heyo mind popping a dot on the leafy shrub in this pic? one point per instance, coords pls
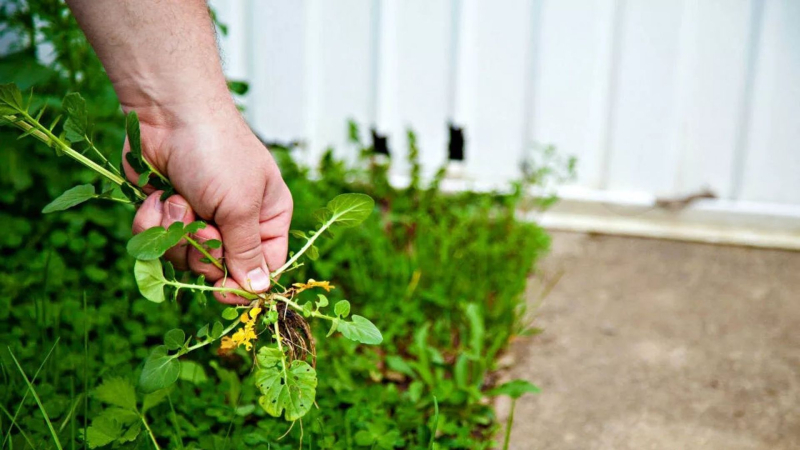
(442, 275)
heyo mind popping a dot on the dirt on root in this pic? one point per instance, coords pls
(652, 344)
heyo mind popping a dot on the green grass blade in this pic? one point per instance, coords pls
(435, 422)
(15, 424)
(25, 397)
(38, 400)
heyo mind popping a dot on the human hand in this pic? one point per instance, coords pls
(224, 175)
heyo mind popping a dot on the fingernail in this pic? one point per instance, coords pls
(158, 205)
(258, 280)
(175, 212)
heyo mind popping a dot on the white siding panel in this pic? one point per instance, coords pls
(495, 129)
(277, 72)
(641, 151)
(572, 89)
(712, 91)
(772, 165)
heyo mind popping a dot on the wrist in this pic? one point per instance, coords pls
(165, 101)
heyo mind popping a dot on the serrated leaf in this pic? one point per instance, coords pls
(118, 392)
(160, 370)
(342, 308)
(10, 99)
(268, 356)
(77, 121)
(154, 242)
(361, 330)
(102, 431)
(174, 339)
(150, 279)
(230, 313)
(70, 197)
(271, 317)
(292, 397)
(515, 389)
(349, 210)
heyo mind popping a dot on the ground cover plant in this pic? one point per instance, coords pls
(441, 275)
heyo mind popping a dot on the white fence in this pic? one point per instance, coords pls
(654, 97)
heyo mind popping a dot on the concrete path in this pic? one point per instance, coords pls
(661, 345)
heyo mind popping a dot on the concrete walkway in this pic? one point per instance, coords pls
(662, 345)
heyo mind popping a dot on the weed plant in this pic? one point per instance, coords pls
(442, 276)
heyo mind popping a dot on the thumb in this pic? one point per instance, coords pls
(244, 257)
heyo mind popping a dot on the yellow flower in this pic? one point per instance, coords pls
(300, 287)
(245, 335)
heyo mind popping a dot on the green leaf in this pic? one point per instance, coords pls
(322, 302)
(308, 308)
(153, 399)
(268, 357)
(515, 389)
(230, 313)
(76, 126)
(118, 392)
(10, 99)
(349, 210)
(292, 396)
(144, 178)
(202, 332)
(342, 308)
(334, 325)
(216, 330)
(361, 330)
(271, 317)
(103, 431)
(194, 227)
(160, 370)
(313, 253)
(150, 279)
(213, 243)
(71, 197)
(192, 372)
(298, 234)
(154, 242)
(134, 135)
(174, 339)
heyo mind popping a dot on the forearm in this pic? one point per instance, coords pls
(161, 57)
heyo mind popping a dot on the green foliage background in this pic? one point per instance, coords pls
(442, 276)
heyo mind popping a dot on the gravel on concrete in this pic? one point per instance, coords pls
(651, 344)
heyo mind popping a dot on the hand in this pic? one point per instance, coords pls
(224, 175)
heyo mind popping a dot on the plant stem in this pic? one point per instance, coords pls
(280, 345)
(300, 252)
(44, 135)
(149, 431)
(205, 253)
(239, 292)
(203, 344)
(509, 423)
(300, 308)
